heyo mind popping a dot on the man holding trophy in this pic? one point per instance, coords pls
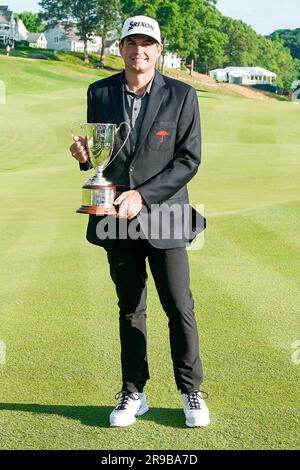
(143, 138)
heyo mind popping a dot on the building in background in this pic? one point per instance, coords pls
(22, 33)
(61, 40)
(37, 40)
(172, 60)
(8, 26)
(13, 29)
(253, 76)
(112, 47)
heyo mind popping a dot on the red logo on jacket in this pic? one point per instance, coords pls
(162, 134)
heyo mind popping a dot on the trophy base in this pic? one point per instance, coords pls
(98, 199)
(96, 210)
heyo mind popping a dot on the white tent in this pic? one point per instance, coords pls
(244, 75)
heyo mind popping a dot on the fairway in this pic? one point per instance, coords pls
(59, 319)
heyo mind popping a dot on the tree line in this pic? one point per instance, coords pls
(290, 38)
(195, 29)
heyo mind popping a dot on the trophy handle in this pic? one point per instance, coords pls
(124, 143)
(72, 125)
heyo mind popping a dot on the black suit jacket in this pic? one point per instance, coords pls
(166, 157)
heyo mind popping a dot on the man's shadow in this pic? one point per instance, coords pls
(98, 416)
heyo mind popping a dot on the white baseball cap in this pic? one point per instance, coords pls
(141, 25)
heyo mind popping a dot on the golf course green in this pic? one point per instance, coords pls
(60, 370)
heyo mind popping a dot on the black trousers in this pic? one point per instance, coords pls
(170, 270)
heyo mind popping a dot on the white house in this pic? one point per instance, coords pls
(172, 61)
(37, 40)
(112, 47)
(11, 28)
(8, 26)
(61, 40)
(22, 33)
(244, 76)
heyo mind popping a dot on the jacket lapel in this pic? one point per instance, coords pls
(155, 99)
(116, 95)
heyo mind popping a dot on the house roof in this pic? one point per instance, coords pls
(110, 42)
(33, 36)
(253, 70)
(5, 14)
(246, 71)
(72, 33)
(5, 18)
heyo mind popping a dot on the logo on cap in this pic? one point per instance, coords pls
(134, 24)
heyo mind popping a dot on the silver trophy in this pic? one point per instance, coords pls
(98, 193)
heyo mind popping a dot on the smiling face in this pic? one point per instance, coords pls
(140, 52)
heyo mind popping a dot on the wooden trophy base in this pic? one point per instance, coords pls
(98, 199)
(97, 210)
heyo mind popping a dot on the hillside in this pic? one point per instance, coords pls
(46, 69)
(200, 81)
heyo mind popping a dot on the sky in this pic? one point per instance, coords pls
(263, 15)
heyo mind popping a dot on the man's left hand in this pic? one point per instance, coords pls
(130, 204)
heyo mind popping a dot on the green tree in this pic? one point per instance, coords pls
(185, 36)
(32, 21)
(290, 38)
(297, 65)
(138, 7)
(168, 14)
(108, 18)
(78, 14)
(241, 48)
(211, 41)
(211, 50)
(274, 56)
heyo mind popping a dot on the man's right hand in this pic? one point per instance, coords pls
(79, 149)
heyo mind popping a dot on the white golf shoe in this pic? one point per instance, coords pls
(130, 405)
(195, 410)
